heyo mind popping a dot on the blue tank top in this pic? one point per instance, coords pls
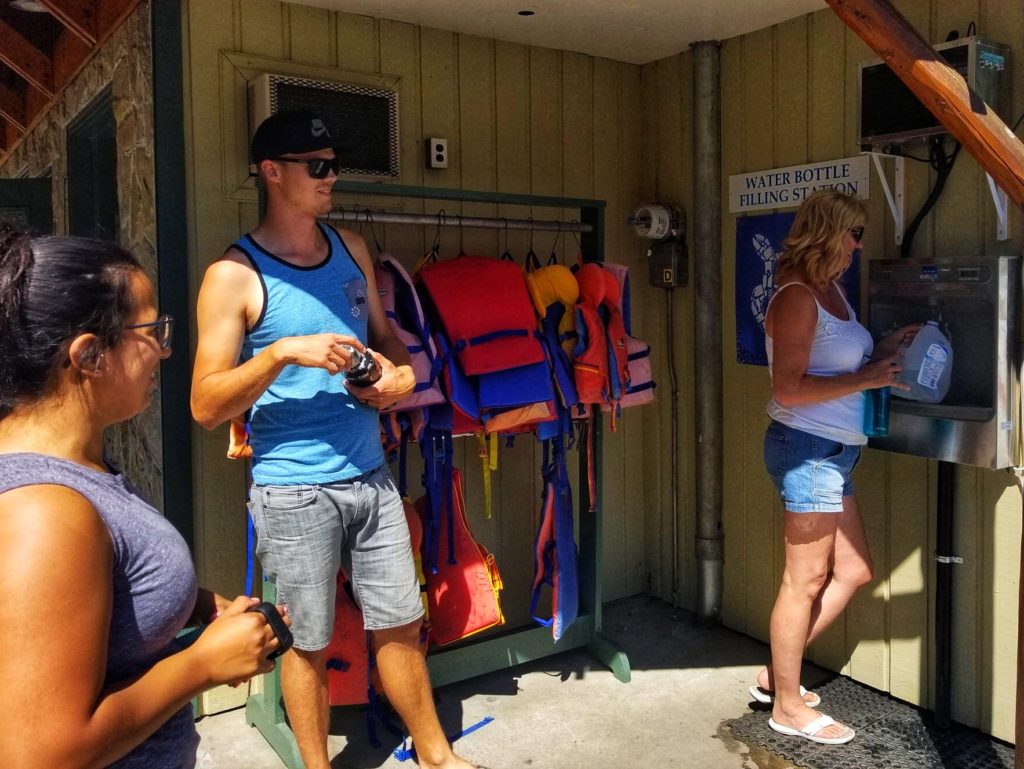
(154, 589)
(306, 428)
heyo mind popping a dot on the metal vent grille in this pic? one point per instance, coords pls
(363, 119)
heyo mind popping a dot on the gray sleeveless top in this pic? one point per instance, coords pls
(154, 586)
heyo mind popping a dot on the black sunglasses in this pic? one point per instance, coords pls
(858, 233)
(318, 168)
(163, 330)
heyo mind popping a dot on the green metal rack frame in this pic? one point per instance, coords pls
(514, 647)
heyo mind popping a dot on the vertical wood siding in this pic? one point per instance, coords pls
(531, 120)
(789, 95)
(517, 119)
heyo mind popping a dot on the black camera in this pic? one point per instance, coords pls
(363, 369)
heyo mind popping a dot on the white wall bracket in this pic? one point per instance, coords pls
(894, 196)
(1000, 201)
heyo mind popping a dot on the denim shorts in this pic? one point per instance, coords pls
(811, 473)
(305, 533)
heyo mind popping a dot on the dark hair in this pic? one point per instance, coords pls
(52, 289)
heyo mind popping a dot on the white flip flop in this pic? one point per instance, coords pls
(766, 697)
(810, 732)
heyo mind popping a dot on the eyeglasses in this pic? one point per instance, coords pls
(163, 328)
(858, 233)
(318, 168)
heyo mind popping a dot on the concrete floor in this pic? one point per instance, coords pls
(567, 711)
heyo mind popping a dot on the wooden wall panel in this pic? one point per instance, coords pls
(741, 552)
(310, 31)
(886, 636)
(502, 108)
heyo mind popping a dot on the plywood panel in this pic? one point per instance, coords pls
(400, 55)
(738, 550)
(907, 555)
(310, 35)
(621, 489)
(357, 43)
(263, 24)
(1000, 590)
(865, 618)
(762, 531)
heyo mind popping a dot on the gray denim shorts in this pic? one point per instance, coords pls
(306, 532)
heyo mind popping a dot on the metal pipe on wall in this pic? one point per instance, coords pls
(365, 216)
(707, 274)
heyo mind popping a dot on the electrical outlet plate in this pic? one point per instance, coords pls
(437, 152)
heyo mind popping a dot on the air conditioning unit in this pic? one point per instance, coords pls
(889, 113)
(364, 119)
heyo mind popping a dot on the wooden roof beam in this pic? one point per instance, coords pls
(78, 16)
(25, 59)
(940, 88)
(12, 108)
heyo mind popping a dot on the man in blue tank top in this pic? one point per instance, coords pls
(274, 313)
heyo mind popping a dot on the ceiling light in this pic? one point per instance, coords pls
(28, 5)
(526, 13)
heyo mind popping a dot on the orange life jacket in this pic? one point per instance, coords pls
(600, 357)
(463, 586)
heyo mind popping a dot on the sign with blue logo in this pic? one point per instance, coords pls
(758, 245)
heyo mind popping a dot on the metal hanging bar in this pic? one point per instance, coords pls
(454, 220)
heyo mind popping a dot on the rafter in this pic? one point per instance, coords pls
(25, 59)
(78, 16)
(12, 107)
(940, 88)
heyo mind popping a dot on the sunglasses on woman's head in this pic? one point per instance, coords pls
(163, 328)
(318, 168)
(858, 233)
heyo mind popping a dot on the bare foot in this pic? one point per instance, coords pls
(453, 761)
(766, 681)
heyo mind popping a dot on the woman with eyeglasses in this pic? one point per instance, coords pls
(96, 583)
(821, 360)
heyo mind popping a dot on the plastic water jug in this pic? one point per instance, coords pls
(927, 365)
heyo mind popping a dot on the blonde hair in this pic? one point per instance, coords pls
(815, 241)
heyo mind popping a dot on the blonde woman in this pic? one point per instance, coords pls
(821, 359)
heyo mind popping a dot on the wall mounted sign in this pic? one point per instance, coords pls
(758, 244)
(789, 187)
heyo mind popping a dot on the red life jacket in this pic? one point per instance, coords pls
(348, 655)
(486, 312)
(463, 590)
(600, 357)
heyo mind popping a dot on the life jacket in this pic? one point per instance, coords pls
(555, 292)
(555, 557)
(463, 587)
(352, 678)
(503, 401)
(640, 389)
(485, 312)
(600, 357)
(405, 314)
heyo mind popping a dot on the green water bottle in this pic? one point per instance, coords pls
(876, 412)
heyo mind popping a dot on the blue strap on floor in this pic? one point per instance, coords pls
(404, 754)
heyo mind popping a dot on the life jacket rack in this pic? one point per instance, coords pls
(507, 649)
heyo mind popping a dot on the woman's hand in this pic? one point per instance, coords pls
(882, 373)
(235, 646)
(898, 341)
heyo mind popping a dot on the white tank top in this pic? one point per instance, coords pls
(839, 347)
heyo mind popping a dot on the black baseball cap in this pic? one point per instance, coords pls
(291, 132)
